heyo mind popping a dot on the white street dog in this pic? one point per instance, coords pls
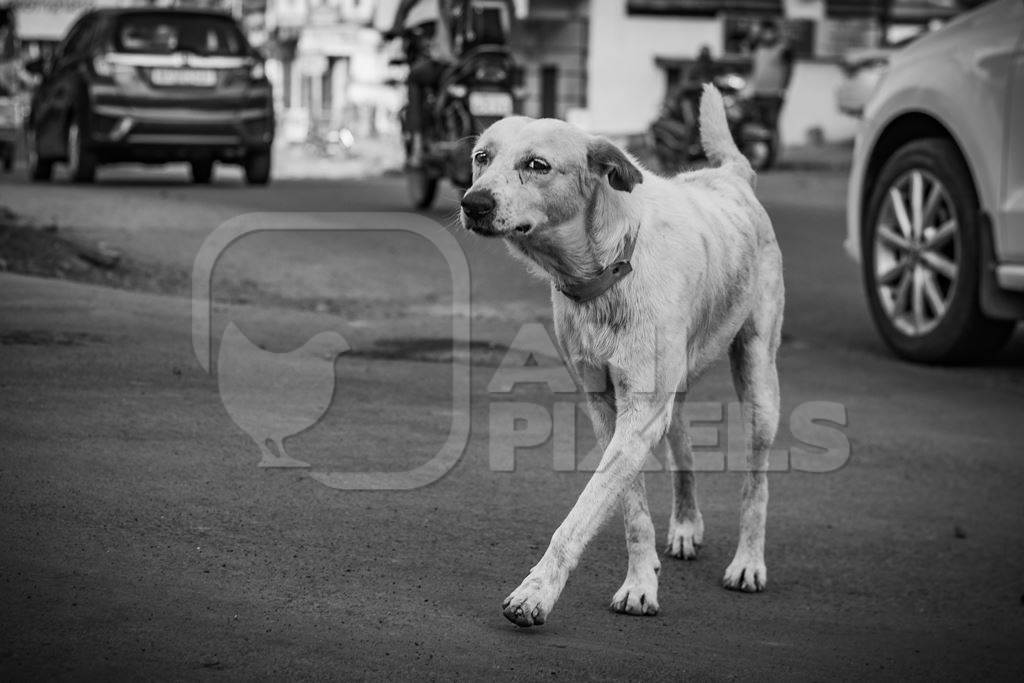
(652, 279)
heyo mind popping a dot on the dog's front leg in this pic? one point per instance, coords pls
(639, 592)
(641, 422)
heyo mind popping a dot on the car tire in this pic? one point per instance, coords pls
(257, 167)
(39, 170)
(921, 261)
(81, 160)
(202, 171)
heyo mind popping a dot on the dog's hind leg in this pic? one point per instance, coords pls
(685, 526)
(752, 357)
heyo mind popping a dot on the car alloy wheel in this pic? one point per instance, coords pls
(917, 252)
(923, 257)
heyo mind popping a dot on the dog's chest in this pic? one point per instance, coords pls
(590, 333)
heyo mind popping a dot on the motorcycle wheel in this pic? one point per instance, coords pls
(422, 187)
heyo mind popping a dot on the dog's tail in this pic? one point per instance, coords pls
(715, 137)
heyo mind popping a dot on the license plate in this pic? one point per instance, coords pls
(490, 103)
(193, 78)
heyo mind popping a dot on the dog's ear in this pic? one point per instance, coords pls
(605, 159)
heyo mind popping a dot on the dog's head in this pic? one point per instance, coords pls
(534, 175)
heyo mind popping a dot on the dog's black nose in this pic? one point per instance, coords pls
(478, 203)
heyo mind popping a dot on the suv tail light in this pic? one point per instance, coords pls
(107, 66)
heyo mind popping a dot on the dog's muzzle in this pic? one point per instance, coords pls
(478, 211)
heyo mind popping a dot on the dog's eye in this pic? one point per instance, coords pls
(538, 165)
(481, 158)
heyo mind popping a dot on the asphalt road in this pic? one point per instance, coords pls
(140, 539)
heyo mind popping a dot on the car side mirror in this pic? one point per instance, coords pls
(36, 66)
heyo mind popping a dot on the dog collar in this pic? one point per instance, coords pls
(586, 290)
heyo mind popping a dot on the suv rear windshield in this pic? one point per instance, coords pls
(164, 33)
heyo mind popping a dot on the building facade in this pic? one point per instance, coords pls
(638, 47)
(327, 66)
(604, 64)
(551, 42)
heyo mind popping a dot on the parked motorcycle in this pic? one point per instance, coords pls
(10, 127)
(474, 92)
(676, 143)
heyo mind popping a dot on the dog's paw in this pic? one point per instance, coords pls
(685, 537)
(637, 596)
(531, 603)
(747, 574)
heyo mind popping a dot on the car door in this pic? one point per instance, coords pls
(1011, 210)
(58, 89)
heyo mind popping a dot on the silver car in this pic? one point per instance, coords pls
(935, 206)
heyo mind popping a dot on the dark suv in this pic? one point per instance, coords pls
(152, 86)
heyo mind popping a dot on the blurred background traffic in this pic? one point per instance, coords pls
(308, 89)
(607, 66)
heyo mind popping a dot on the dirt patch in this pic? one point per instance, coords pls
(443, 350)
(45, 250)
(41, 250)
(47, 338)
(437, 351)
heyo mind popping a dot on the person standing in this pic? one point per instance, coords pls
(772, 69)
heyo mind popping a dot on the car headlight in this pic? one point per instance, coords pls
(258, 71)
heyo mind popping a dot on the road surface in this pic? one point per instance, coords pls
(140, 538)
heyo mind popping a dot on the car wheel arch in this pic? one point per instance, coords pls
(901, 130)
(916, 125)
